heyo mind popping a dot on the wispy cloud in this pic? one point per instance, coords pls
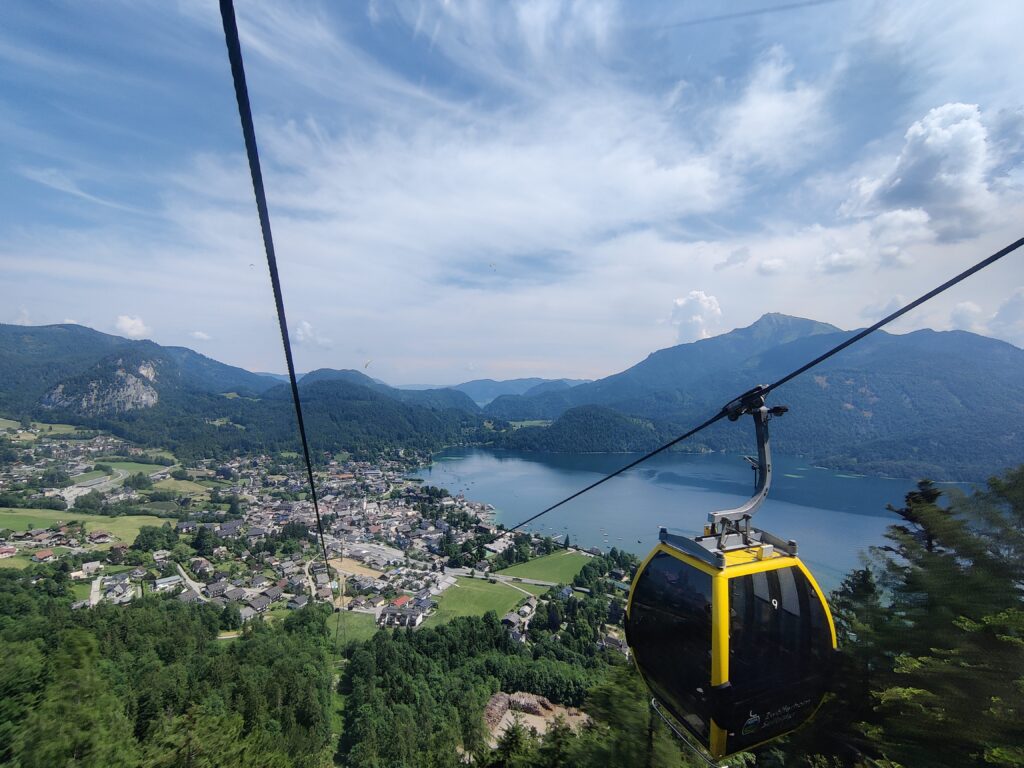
(60, 181)
(532, 186)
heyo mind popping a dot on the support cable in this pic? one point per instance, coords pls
(735, 406)
(227, 12)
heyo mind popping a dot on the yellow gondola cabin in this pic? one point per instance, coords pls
(729, 630)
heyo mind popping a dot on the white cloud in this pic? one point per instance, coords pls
(875, 312)
(23, 317)
(942, 170)
(841, 261)
(1008, 322)
(777, 123)
(902, 226)
(200, 335)
(304, 333)
(894, 232)
(967, 316)
(894, 257)
(770, 267)
(737, 257)
(131, 326)
(528, 185)
(695, 316)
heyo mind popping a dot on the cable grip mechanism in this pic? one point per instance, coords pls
(730, 529)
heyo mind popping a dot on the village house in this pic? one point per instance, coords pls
(166, 583)
(260, 603)
(273, 594)
(396, 616)
(216, 588)
(229, 529)
(614, 644)
(259, 580)
(120, 592)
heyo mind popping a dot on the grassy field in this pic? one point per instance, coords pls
(125, 528)
(46, 429)
(85, 477)
(560, 567)
(212, 483)
(355, 627)
(277, 613)
(162, 506)
(533, 589)
(17, 562)
(81, 589)
(474, 597)
(181, 486)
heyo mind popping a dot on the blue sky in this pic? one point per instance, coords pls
(464, 189)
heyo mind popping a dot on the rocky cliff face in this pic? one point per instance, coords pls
(123, 389)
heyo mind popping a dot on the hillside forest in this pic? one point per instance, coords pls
(930, 672)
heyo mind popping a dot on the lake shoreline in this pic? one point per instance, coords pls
(835, 517)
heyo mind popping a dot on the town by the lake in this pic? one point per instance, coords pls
(242, 534)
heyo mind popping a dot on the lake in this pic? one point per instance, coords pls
(833, 516)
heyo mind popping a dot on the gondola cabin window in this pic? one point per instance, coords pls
(670, 628)
(779, 645)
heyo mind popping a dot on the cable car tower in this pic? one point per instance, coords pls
(729, 629)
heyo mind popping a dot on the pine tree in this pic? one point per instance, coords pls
(945, 659)
(79, 722)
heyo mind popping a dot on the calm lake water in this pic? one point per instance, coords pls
(833, 516)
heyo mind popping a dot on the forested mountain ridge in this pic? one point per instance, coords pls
(949, 405)
(483, 391)
(673, 369)
(339, 416)
(178, 399)
(437, 398)
(34, 360)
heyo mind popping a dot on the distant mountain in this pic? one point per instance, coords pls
(279, 376)
(435, 399)
(484, 391)
(585, 429)
(36, 360)
(674, 369)
(949, 405)
(196, 406)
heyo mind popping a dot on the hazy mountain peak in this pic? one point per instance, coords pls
(780, 328)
